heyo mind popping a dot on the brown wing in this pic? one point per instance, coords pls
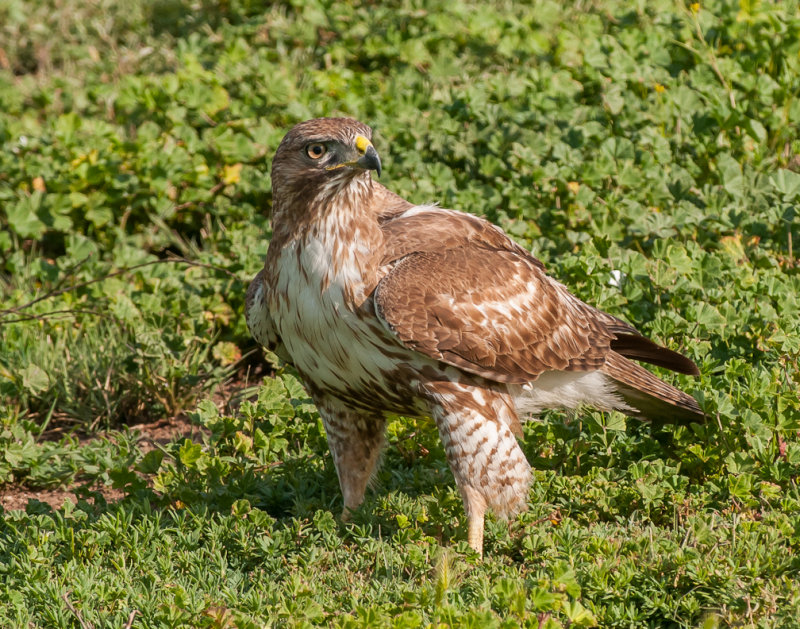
(259, 321)
(425, 235)
(490, 311)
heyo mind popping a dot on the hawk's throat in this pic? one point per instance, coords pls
(336, 239)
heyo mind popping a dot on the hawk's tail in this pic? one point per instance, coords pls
(651, 398)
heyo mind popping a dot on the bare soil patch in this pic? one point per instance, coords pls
(151, 435)
(17, 497)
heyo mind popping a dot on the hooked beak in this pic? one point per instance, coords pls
(369, 159)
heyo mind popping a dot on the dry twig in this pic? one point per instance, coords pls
(129, 623)
(71, 608)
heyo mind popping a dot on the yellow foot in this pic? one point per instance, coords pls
(475, 534)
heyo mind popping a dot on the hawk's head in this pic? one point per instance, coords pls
(319, 151)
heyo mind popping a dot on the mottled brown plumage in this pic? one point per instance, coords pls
(385, 307)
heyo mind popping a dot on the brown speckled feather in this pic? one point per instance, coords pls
(449, 269)
(463, 293)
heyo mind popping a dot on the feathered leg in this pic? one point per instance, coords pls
(489, 467)
(356, 441)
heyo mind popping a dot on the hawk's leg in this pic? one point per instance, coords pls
(489, 467)
(356, 441)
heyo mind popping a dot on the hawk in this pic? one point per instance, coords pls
(390, 308)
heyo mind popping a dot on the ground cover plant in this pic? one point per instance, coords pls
(647, 152)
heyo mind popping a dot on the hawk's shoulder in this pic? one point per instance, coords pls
(429, 228)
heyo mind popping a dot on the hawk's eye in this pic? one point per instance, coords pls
(315, 150)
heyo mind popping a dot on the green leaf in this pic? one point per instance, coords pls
(243, 443)
(125, 309)
(786, 182)
(272, 398)
(14, 454)
(543, 600)
(741, 486)
(705, 315)
(578, 615)
(151, 462)
(757, 130)
(240, 508)
(731, 175)
(35, 379)
(23, 218)
(226, 352)
(189, 453)
(234, 146)
(564, 575)
(614, 98)
(206, 412)
(615, 422)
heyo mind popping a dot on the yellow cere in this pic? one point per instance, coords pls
(362, 144)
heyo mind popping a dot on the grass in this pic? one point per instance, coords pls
(646, 152)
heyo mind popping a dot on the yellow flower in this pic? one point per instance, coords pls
(695, 7)
(231, 174)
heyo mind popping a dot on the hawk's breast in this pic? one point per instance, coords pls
(320, 303)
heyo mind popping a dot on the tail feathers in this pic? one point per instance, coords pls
(638, 347)
(648, 396)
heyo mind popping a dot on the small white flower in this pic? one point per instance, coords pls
(616, 278)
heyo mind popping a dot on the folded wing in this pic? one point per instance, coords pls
(460, 291)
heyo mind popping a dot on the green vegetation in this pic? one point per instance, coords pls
(654, 139)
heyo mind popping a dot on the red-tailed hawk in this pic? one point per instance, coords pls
(385, 307)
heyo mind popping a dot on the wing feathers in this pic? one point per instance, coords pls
(480, 302)
(641, 348)
(259, 321)
(459, 290)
